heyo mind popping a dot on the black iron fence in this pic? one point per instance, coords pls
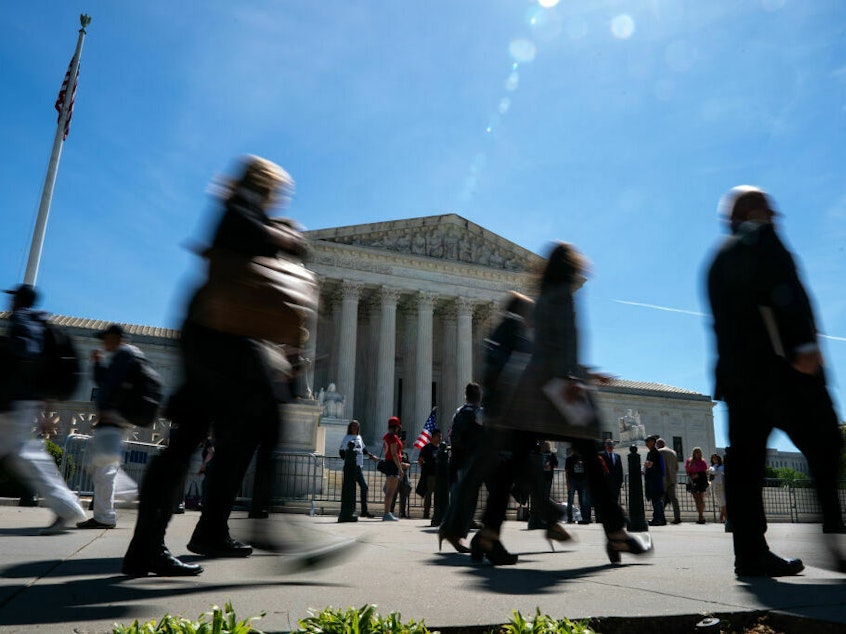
(311, 483)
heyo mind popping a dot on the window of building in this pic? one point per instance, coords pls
(678, 447)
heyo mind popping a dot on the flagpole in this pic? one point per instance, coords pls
(50, 180)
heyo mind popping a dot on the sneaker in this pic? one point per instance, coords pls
(92, 523)
(58, 526)
(389, 517)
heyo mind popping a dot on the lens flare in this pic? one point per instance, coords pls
(622, 26)
(522, 50)
(547, 4)
(512, 82)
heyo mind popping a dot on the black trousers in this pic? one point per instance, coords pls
(228, 386)
(799, 405)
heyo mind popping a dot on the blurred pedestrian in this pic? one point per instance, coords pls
(236, 372)
(467, 443)
(770, 374)
(104, 454)
(554, 356)
(697, 481)
(20, 408)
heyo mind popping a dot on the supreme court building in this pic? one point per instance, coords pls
(404, 308)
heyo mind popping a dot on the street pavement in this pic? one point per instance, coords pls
(72, 582)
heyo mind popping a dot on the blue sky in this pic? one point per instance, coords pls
(615, 125)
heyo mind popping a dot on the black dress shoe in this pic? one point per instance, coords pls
(770, 565)
(226, 548)
(162, 564)
(658, 522)
(259, 515)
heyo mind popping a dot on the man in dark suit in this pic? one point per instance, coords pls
(614, 467)
(769, 373)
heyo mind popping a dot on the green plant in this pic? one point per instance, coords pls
(216, 621)
(54, 450)
(543, 624)
(365, 620)
(57, 453)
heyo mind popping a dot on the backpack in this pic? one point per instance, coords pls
(140, 395)
(58, 373)
(464, 430)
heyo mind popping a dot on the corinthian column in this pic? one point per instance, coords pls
(350, 294)
(423, 358)
(448, 397)
(385, 364)
(309, 354)
(464, 343)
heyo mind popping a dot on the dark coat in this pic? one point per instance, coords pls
(554, 354)
(653, 477)
(615, 469)
(753, 274)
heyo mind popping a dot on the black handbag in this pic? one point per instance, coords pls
(381, 466)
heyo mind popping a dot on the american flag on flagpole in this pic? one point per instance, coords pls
(425, 436)
(60, 100)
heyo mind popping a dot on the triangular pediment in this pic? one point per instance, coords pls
(446, 237)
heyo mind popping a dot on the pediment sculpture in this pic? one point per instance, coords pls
(444, 242)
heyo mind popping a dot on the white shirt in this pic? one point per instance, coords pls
(358, 447)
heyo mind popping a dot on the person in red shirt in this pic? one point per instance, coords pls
(392, 452)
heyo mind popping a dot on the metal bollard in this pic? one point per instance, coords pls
(637, 516)
(348, 487)
(441, 495)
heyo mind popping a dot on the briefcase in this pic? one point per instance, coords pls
(541, 409)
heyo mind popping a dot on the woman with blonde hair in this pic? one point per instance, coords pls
(697, 480)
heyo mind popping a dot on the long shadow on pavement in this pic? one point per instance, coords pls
(798, 598)
(522, 580)
(100, 597)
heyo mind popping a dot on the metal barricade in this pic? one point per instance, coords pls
(76, 462)
(298, 478)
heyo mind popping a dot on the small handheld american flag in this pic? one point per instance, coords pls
(425, 436)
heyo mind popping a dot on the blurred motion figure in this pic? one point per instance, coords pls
(769, 372)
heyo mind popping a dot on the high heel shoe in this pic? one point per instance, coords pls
(492, 548)
(452, 540)
(557, 533)
(628, 544)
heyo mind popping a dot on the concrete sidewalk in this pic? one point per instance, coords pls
(72, 582)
